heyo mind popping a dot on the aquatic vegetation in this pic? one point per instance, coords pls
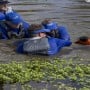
(45, 70)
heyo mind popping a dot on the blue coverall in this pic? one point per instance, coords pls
(15, 19)
(63, 32)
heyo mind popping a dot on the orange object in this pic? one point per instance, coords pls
(87, 42)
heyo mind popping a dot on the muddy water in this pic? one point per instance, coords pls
(74, 14)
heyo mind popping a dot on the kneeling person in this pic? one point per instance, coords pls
(55, 30)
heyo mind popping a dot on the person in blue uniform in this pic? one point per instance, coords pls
(12, 21)
(55, 30)
(56, 44)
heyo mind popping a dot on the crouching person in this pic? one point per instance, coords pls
(40, 42)
(13, 24)
(55, 30)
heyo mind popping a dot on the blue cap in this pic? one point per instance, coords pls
(4, 1)
(51, 26)
(42, 30)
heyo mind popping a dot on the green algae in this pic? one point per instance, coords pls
(45, 70)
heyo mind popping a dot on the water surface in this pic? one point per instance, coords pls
(74, 14)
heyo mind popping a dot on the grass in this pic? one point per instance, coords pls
(46, 70)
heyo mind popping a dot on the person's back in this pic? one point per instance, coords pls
(56, 30)
(37, 42)
(56, 45)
